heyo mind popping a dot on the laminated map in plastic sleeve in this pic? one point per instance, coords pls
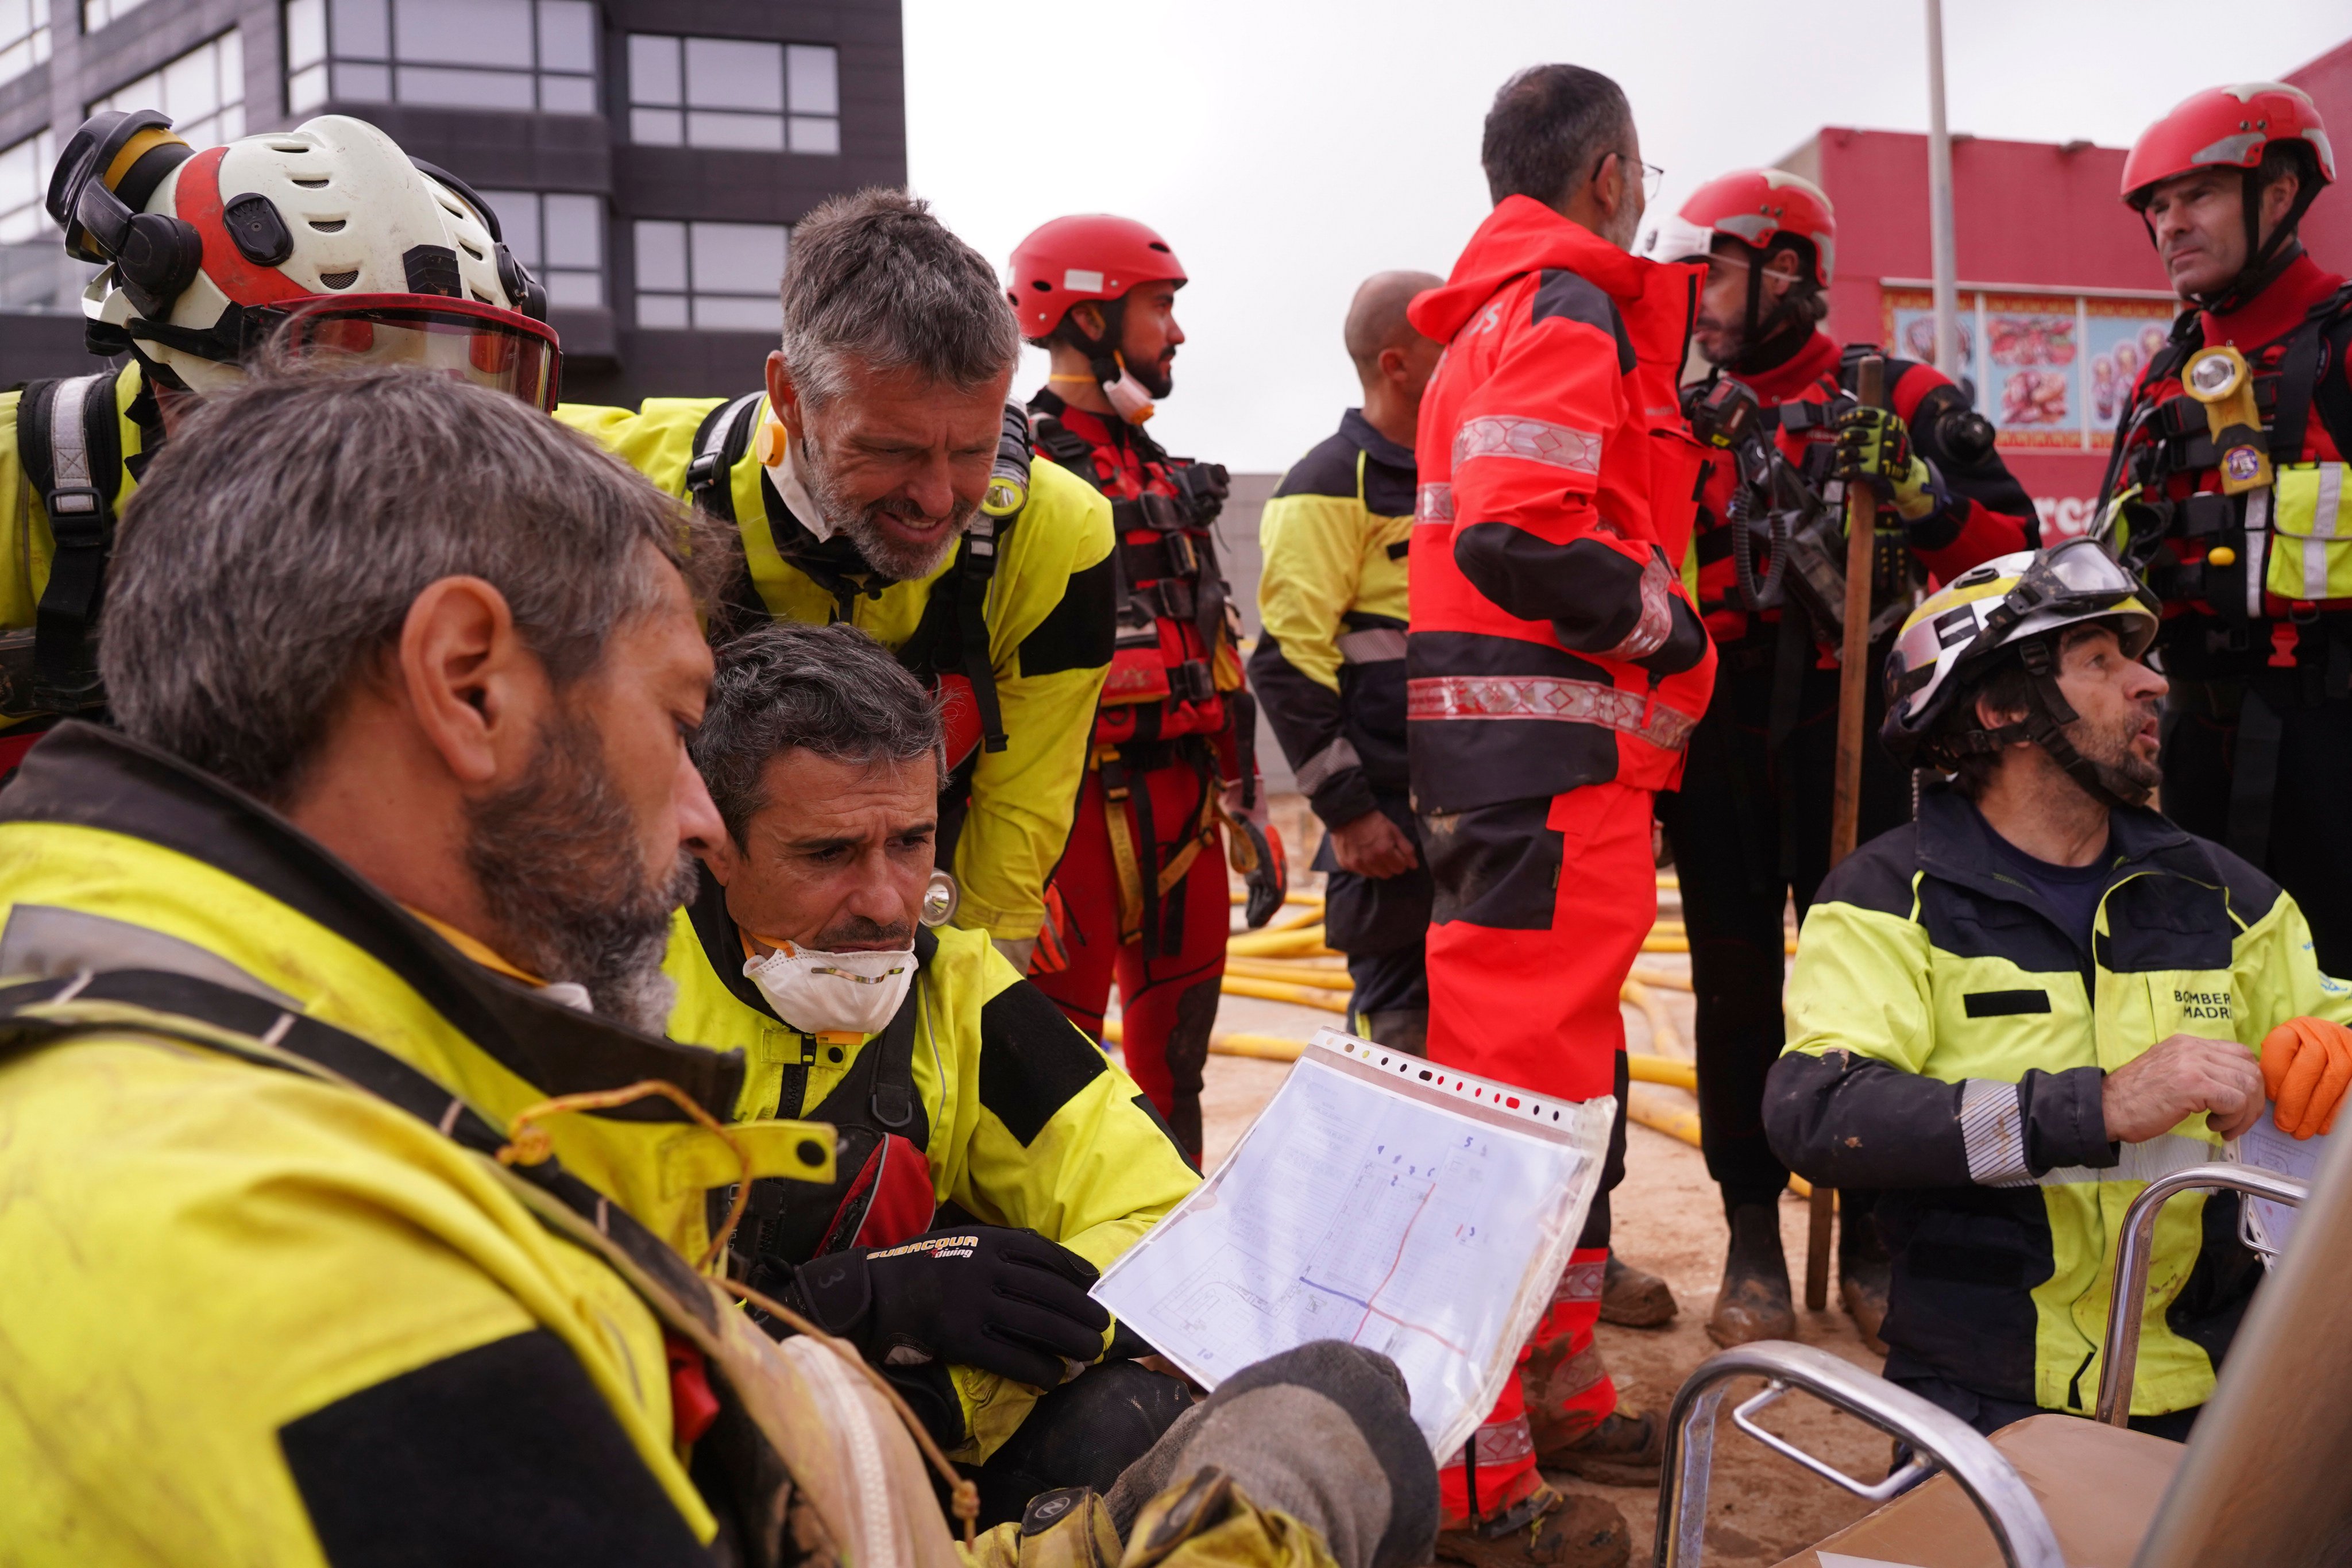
(1383, 1200)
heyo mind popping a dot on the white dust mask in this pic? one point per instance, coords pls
(832, 993)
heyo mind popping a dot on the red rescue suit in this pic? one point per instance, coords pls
(1751, 822)
(1554, 670)
(1141, 893)
(2259, 728)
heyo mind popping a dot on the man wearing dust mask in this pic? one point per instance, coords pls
(993, 1159)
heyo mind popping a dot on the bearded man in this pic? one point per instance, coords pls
(856, 479)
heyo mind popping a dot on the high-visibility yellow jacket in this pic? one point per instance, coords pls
(1023, 1121)
(27, 543)
(1049, 634)
(256, 1315)
(1329, 664)
(1948, 1041)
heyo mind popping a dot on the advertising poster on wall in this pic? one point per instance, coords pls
(2055, 368)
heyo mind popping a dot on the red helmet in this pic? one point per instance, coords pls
(2226, 128)
(1755, 206)
(1091, 256)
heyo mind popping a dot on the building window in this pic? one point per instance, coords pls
(97, 14)
(734, 92)
(712, 276)
(202, 91)
(465, 54)
(24, 36)
(559, 238)
(36, 276)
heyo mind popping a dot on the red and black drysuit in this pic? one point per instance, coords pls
(1750, 821)
(1554, 670)
(2258, 729)
(1140, 894)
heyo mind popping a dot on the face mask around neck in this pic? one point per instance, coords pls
(832, 993)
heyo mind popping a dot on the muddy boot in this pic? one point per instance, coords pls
(1754, 1303)
(1632, 1300)
(1865, 1272)
(1624, 1450)
(1545, 1528)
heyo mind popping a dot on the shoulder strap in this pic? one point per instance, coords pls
(2187, 336)
(1064, 446)
(259, 1031)
(72, 452)
(719, 443)
(2306, 362)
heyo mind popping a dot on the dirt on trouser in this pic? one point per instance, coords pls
(1668, 1220)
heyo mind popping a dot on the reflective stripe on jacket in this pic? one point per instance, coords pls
(1328, 668)
(1948, 1041)
(1025, 1122)
(237, 1264)
(1552, 644)
(1049, 638)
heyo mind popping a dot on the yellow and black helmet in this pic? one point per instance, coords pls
(2006, 605)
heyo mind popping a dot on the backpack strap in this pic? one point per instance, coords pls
(719, 443)
(72, 452)
(2313, 360)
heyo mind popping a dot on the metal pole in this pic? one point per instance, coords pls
(1939, 203)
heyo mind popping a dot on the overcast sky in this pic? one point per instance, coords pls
(1288, 148)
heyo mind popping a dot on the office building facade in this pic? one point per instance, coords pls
(647, 158)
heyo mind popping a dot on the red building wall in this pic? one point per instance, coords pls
(2327, 227)
(2026, 215)
(2029, 216)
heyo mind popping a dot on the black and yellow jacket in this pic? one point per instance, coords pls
(1025, 1121)
(264, 1306)
(1049, 632)
(1947, 1040)
(105, 426)
(1329, 667)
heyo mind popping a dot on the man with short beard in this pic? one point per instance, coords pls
(2010, 1014)
(1749, 823)
(1140, 898)
(876, 479)
(381, 857)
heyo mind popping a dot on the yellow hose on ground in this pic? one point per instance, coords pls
(1264, 1047)
(1676, 1121)
(1297, 995)
(1663, 1041)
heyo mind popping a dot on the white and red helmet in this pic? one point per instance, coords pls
(327, 232)
(2226, 128)
(1760, 208)
(1093, 256)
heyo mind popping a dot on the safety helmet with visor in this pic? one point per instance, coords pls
(2012, 606)
(2232, 128)
(327, 233)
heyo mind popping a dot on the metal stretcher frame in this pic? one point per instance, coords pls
(1938, 1439)
(2119, 1356)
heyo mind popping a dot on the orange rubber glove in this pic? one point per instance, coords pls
(2306, 1065)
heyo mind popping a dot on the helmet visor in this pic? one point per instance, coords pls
(462, 339)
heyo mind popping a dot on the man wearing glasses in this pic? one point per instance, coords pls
(1555, 665)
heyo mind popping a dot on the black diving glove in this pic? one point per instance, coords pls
(1007, 1302)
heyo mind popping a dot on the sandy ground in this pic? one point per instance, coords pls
(1669, 1220)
